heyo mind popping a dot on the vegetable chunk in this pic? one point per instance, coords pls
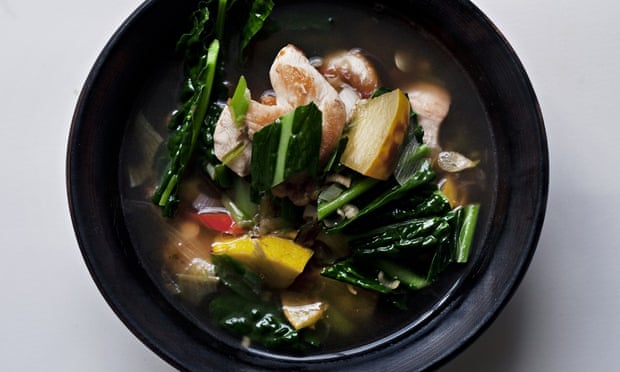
(278, 260)
(377, 131)
(302, 310)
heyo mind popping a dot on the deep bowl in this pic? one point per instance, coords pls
(507, 240)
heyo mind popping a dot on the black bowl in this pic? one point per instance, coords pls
(507, 241)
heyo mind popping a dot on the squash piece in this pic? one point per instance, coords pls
(378, 129)
(277, 260)
(301, 310)
(451, 190)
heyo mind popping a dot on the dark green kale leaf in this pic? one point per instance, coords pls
(287, 148)
(247, 309)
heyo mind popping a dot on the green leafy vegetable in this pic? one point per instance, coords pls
(244, 310)
(219, 23)
(233, 153)
(416, 206)
(286, 148)
(466, 232)
(235, 277)
(260, 11)
(423, 176)
(403, 237)
(413, 151)
(260, 321)
(447, 237)
(402, 274)
(333, 163)
(411, 227)
(192, 125)
(240, 102)
(441, 259)
(349, 271)
(185, 135)
(326, 208)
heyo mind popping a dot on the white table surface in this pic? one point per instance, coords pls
(564, 317)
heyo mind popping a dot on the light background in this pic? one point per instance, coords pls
(564, 317)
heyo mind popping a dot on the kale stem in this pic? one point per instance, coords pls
(171, 184)
(327, 208)
(405, 276)
(212, 55)
(466, 232)
(219, 22)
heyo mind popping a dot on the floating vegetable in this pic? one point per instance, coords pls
(452, 161)
(278, 260)
(302, 310)
(221, 221)
(289, 147)
(378, 128)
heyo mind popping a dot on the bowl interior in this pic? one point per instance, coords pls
(141, 58)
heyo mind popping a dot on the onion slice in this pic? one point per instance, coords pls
(453, 162)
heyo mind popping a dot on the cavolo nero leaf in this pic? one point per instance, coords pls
(242, 308)
(186, 124)
(262, 322)
(448, 235)
(191, 126)
(261, 9)
(185, 135)
(286, 148)
(348, 271)
(423, 176)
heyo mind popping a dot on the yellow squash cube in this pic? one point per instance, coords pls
(377, 132)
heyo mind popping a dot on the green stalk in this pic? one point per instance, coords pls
(212, 54)
(285, 136)
(327, 208)
(466, 232)
(233, 153)
(424, 175)
(219, 22)
(406, 276)
(172, 183)
(240, 102)
(166, 194)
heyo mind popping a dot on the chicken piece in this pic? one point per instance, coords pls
(431, 102)
(228, 138)
(350, 98)
(350, 68)
(260, 115)
(296, 83)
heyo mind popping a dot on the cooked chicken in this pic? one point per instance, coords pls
(295, 83)
(431, 102)
(228, 139)
(350, 68)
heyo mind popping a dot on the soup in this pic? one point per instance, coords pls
(305, 301)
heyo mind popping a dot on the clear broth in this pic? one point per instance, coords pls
(317, 29)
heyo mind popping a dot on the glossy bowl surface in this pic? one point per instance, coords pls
(105, 106)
